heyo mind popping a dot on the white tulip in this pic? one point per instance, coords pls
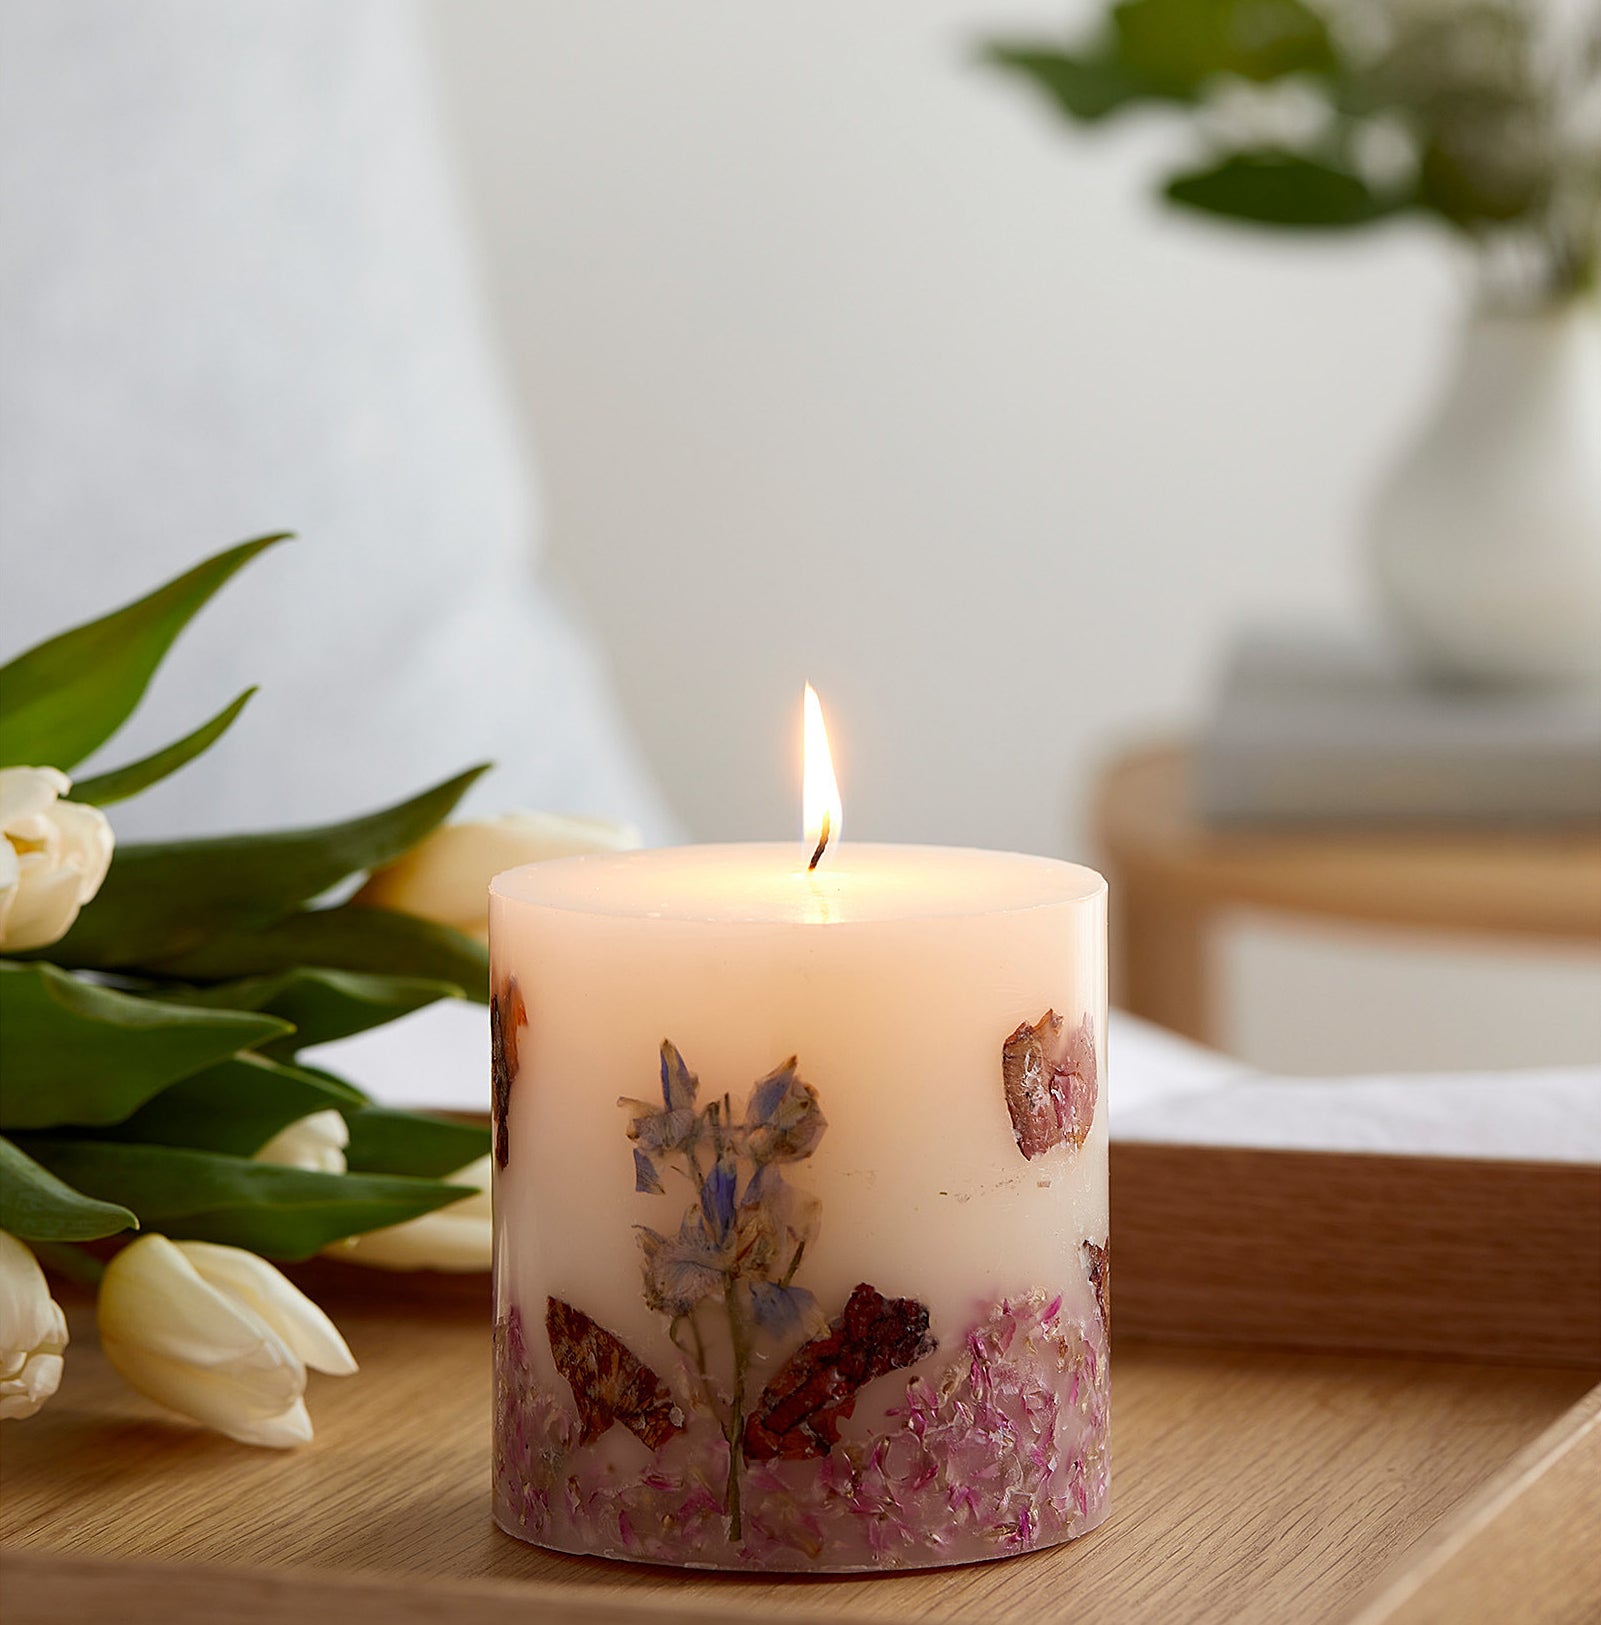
(446, 876)
(316, 1143)
(33, 1332)
(53, 856)
(457, 1239)
(218, 1334)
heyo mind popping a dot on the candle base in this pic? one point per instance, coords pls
(992, 1445)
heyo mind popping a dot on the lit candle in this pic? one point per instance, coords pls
(800, 1201)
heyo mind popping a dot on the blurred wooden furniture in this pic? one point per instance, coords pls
(1173, 877)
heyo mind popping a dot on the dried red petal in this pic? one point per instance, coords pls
(800, 1410)
(1098, 1266)
(609, 1383)
(508, 1015)
(1050, 1083)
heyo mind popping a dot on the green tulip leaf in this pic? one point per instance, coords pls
(66, 697)
(1282, 189)
(383, 1141)
(285, 1213)
(371, 941)
(36, 1206)
(74, 1052)
(238, 1105)
(122, 782)
(324, 1004)
(167, 900)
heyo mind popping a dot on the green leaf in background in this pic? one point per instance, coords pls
(1282, 189)
(370, 940)
(238, 1105)
(168, 899)
(73, 1052)
(391, 1142)
(279, 1212)
(66, 697)
(1176, 46)
(122, 782)
(37, 1206)
(1086, 88)
(323, 1004)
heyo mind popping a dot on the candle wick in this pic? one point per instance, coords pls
(817, 856)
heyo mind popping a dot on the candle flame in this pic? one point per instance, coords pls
(819, 788)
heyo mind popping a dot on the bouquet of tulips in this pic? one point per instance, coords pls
(161, 1135)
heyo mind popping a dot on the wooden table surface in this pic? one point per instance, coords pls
(1173, 877)
(1248, 1486)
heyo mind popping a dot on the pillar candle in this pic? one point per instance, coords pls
(800, 1205)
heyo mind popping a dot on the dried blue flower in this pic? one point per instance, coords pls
(679, 1085)
(675, 1125)
(783, 1311)
(661, 1131)
(783, 1121)
(646, 1180)
(775, 1223)
(717, 1199)
(681, 1271)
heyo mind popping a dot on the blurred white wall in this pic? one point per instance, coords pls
(843, 360)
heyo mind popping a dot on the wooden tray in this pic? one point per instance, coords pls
(1287, 1478)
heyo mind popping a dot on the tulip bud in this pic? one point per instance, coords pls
(316, 1143)
(218, 1334)
(33, 1332)
(457, 1239)
(446, 876)
(53, 856)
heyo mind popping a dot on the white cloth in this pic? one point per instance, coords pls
(234, 298)
(1162, 1088)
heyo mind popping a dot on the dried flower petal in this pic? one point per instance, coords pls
(1004, 1450)
(507, 1016)
(680, 1086)
(799, 1412)
(783, 1121)
(609, 1383)
(680, 1271)
(647, 1181)
(717, 1199)
(1050, 1083)
(1098, 1266)
(782, 1311)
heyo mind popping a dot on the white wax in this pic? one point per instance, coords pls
(894, 975)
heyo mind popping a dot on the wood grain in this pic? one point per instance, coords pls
(1176, 876)
(1249, 1486)
(1422, 1255)
(1526, 1547)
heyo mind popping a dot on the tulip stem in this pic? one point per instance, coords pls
(69, 1262)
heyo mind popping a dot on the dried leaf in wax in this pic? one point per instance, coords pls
(609, 1383)
(799, 1412)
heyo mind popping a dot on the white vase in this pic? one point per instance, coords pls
(1486, 540)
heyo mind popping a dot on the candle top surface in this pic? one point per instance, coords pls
(859, 883)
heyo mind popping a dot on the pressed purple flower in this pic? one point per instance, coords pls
(783, 1121)
(681, 1271)
(647, 1181)
(717, 1199)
